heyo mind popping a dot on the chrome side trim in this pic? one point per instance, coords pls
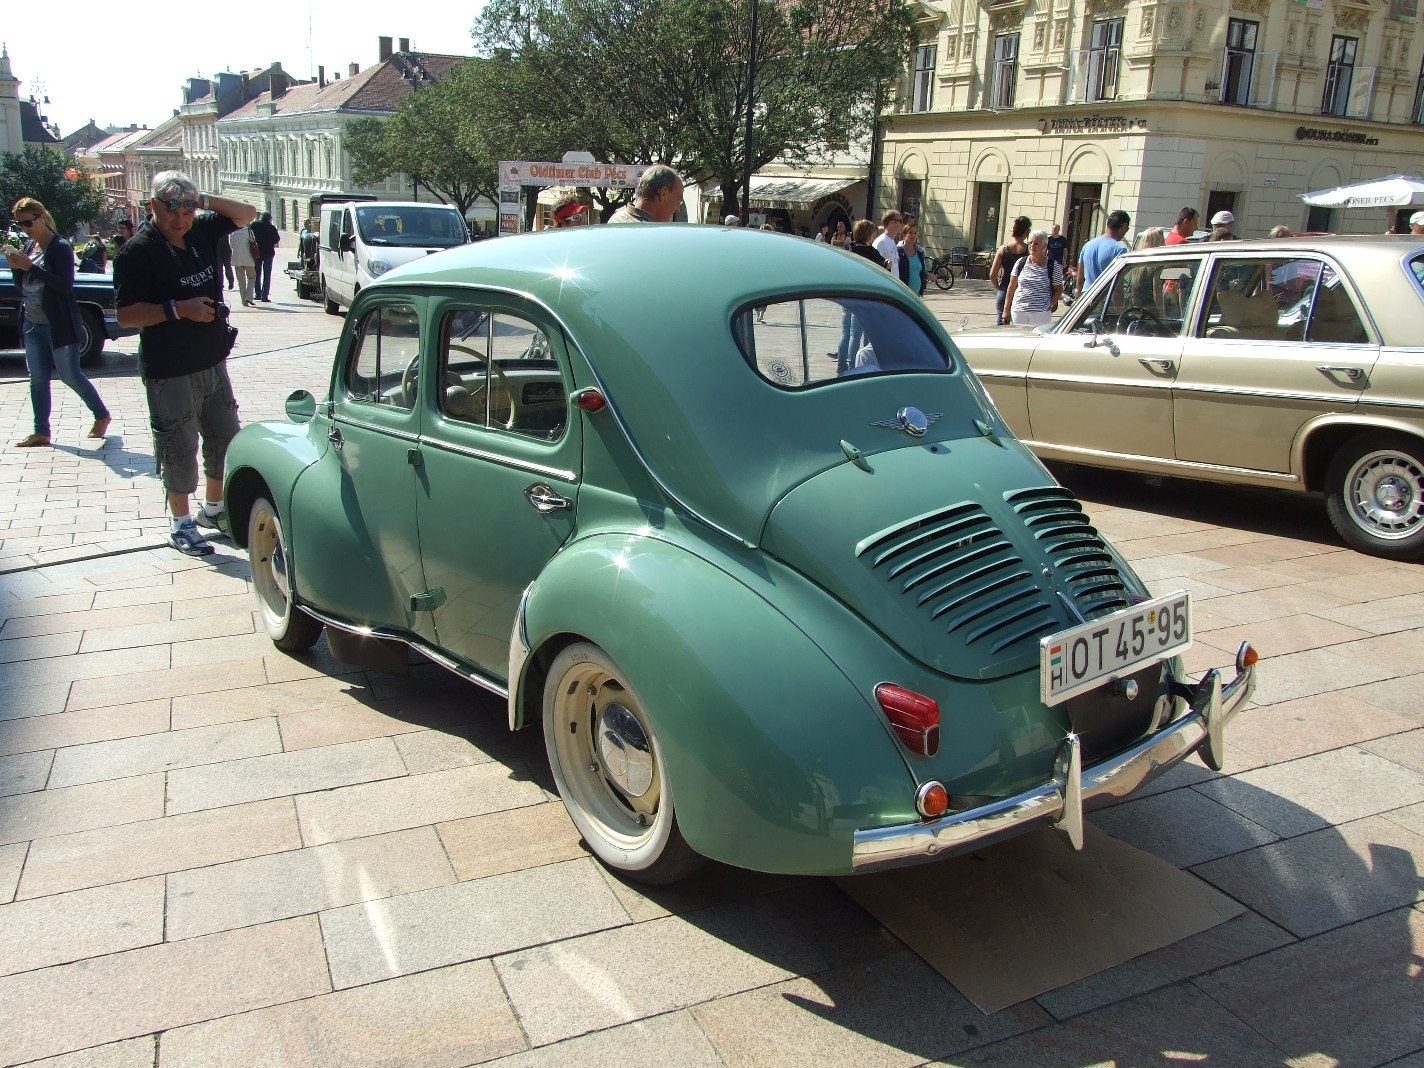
(361, 424)
(518, 653)
(434, 655)
(1068, 452)
(501, 459)
(1061, 800)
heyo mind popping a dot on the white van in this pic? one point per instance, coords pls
(363, 240)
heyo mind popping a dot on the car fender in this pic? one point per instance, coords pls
(774, 757)
(266, 460)
(1318, 440)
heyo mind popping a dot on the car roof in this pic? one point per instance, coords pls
(1343, 245)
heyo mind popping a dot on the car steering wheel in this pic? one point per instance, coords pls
(1136, 316)
(410, 380)
(503, 393)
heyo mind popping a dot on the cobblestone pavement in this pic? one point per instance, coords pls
(215, 854)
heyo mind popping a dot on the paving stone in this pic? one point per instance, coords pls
(24, 772)
(194, 683)
(656, 1042)
(1182, 827)
(1382, 616)
(893, 1011)
(217, 605)
(1178, 1025)
(1315, 724)
(1316, 791)
(1235, 940)
(1406, 749)
(1276, 637)
(510, 841)
(1349, 996)
(157, 846)
(268, 699)
(25, 817)
(412, 801)
(445, 925)
(179, 630)
(15, 650)
(1411, 818)
(80, 728)
(576, 985)
(85, 923)
(163, 752)
(1403, 696)
(1331, 877)
(131, 1053)
(241, 645)
(12, 862)
(125, 995)
(84, 619)
(13, 610)
(1295, 675)
(437, 751)
(346, 722)
(245, 892)
(441, 1019)
(281, 774)
(103, 671)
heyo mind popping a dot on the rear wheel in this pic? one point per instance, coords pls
(606, 760)
(92, 336)
(944, 276)
(1375, 495)
(332, 308)
(290, 629)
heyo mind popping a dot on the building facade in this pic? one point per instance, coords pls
(1063, 110)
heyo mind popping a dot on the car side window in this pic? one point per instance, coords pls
(384, 368)
(1149, 299)
(1280, 298)
(1334, 318)
(498, 371)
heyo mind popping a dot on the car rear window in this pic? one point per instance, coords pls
(1416, 268)
(810, 341)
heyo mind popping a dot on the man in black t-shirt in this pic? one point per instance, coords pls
(266, 236)
(168, 281)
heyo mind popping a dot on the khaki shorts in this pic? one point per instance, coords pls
(179, 410)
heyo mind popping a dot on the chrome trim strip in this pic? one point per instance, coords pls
(361, 424)
(1062, 798)
(501, 459)
(1068, 451)
(1352, 395)
(419, 646)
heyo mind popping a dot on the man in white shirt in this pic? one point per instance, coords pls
(884, 242)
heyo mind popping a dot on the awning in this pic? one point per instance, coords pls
(781, 192)
(1393, 191)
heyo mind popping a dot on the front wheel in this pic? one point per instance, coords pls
(92, 336)
(332, 308)
(943, 276)
(1375, 495)
(291, 629)
(609, 768)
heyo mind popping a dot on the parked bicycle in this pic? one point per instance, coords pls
(941, 269)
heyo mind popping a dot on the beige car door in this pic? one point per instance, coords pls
(1101, 385)
(1279, 342)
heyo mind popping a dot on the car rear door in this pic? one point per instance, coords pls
(1279, 341)
(1101, 385)
(499, 469)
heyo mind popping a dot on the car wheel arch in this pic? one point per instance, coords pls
(243, 488)
(1321, 443)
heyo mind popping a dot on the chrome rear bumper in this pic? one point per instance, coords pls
(1061, 800)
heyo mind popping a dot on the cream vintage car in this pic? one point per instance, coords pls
(1295, 363)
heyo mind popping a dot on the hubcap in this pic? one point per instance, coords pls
(1386, 495)
(624, 751)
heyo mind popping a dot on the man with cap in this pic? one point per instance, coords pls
(1221, 224)
(1416, 223)
(732, 220)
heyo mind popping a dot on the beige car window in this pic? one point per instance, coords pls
(383, 368)
(1334, 319)
(1280, 298)
(1147, 299)
(498, 371)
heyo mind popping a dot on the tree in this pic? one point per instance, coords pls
(677, 70)
(42, 173)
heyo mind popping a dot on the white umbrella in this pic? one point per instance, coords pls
(1394, 191)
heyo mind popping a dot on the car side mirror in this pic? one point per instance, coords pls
(301, 407)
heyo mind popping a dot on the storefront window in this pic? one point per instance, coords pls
(923, 95)
(1417, 115)
(1103, 59)
(1338, 75)
(1006, 70)
(1239, 62)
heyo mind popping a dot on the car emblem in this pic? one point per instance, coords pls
(911, 420)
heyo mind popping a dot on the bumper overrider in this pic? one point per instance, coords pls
(1061, 800)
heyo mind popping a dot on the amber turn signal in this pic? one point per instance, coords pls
(1246, 656)
(932, 800)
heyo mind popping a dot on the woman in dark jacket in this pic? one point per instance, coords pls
(44, 275)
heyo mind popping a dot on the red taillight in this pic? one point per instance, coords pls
(914, 717)
(589, 400)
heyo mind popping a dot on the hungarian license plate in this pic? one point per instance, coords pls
(1083, 657)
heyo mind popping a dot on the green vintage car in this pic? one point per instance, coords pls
(725, 514)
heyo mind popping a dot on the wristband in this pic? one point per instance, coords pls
(203, 201)
(170, 311)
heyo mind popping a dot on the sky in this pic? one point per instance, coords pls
(121, 71)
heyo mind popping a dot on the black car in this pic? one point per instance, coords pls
(95, 293)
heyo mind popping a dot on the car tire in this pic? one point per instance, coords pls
(332, 308)
(1375, 495)
(622, 804)
(291, 629)
(92, 336)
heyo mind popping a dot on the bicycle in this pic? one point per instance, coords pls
(941, 269)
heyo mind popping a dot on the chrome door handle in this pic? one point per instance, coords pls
(1354, 374)
(1165, 366)
(544, 498)
(334, 436)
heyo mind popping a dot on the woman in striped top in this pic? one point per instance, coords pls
(1036, 285)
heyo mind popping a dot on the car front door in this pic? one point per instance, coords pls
(355, 512)
(1279, 342)
(1101, 385)
(498, 479)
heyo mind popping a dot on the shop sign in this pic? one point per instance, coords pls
(515, 174)
(1349, 137)
(1092, 124)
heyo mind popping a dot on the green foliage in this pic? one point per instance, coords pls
(40, 173)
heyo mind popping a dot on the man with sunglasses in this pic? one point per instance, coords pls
(168, 281)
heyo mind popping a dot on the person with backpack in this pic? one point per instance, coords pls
(1003, 267)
